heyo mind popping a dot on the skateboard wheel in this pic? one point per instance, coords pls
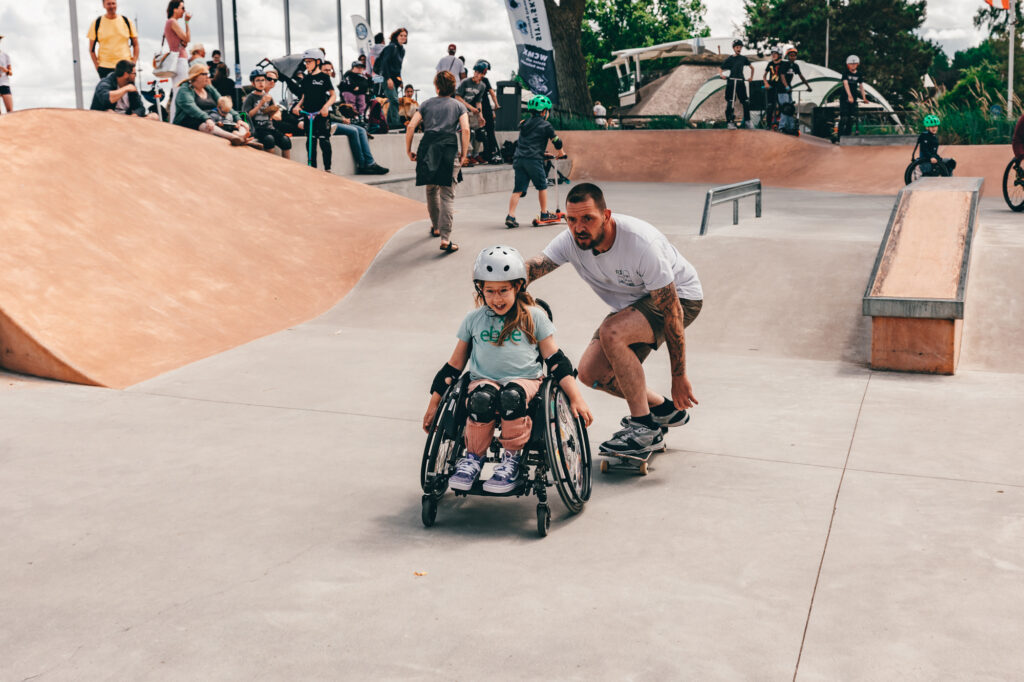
(604, 466)
(643, 468)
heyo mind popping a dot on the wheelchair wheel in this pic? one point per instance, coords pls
(568, 449)
(1013, 186)
(543, 520)
(429, 512)
(914, 171)
(444, 443)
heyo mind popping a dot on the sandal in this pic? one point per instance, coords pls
(450, 247)
(434, 232)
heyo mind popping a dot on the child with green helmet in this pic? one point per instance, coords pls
(928, 143)
(528, 162)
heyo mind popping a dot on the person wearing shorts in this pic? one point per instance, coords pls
(5, 82)
(528, 163)
(654, 294)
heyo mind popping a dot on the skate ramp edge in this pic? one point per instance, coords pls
(131, 248)
(917, 289)
(721, 157)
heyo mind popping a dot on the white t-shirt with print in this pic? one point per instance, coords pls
(5, 61)
(640, 261)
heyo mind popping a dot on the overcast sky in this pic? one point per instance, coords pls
(37, 35)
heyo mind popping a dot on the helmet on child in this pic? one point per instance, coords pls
(737, 42)
(853, 59)
(313, 53)
(481, 66)
(790, 49)
(256, 73)
(776, 50)
(931, 120)
(499, 264)
(538, 103)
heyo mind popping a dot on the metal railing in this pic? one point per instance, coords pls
(733, 193)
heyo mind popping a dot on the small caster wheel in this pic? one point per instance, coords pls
(429, 512)
(604, 466)
(536, 223)
(643, 468)
(543, 520)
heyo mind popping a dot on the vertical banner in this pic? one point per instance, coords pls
(536, 54)
(364, 39)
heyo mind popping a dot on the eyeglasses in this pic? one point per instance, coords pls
(272, 80)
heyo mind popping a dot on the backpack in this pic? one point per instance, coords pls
(376, 120)
(508, 151)
(96, 27)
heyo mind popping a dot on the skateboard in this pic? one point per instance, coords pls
(635, 464)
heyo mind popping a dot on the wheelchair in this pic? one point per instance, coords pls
(1013, 186)
(558, 453)
(920, 168)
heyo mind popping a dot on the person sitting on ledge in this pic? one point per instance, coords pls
(196, 99)
(117, 92)
(358, 141)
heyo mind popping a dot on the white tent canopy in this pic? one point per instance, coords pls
(823, 83)
(679, 48)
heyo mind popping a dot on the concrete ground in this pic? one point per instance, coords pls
(255, 515)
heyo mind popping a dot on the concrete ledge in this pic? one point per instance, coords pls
(917, 287)
(876, 140)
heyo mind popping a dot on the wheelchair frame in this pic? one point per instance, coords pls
(557, 458)
(909, 175)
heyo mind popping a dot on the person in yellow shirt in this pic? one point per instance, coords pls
(116, 37)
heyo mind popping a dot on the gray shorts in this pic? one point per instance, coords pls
(652, 313)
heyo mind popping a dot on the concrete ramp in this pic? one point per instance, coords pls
(130, 248)
(725, 156)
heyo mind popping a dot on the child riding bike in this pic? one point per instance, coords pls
(503, 340)
(928, 143)
(528, 163)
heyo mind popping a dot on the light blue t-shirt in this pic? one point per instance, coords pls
(517, 358)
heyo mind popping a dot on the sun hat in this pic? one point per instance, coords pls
(195, 71)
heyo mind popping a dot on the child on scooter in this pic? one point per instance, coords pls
(528, 163)
(500, 340)
(928, 144)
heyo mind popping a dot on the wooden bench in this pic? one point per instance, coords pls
(918, 286)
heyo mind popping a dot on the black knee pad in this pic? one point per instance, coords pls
(483, 403)
(512, 401)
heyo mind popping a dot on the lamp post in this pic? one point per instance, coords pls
(287, 29)
(1009, 76)
(341, 58)
(828, 19)
(220, 27)
(73, 9)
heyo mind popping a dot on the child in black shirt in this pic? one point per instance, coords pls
(774, 83)
(736, 83)
(928, 144)
(318, 95)
(528, 164)
(853, 85)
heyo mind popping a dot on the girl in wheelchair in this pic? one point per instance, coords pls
(928, 143)
(501, 343)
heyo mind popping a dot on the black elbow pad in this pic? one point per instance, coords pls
(441, 383)
(559, 366)
(557, 142)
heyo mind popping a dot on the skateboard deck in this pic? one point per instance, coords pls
(636, 464)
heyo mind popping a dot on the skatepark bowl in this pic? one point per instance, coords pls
(217, 364)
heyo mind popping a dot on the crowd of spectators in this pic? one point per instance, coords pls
(371, 96)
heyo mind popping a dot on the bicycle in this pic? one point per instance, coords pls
(1013, 186)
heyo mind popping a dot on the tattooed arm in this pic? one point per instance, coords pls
(538, 266)
(667, 301)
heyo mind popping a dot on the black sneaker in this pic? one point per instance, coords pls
(676, 417)
(510, 222)
(365, 170)
(634, 440)
(378, 169)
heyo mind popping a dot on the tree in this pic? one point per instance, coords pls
(565, 20)
(620, 24)
(881, 32)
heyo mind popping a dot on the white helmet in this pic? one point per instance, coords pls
(776, 50)
(499, 264)
(313, 53)
(853, 59)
